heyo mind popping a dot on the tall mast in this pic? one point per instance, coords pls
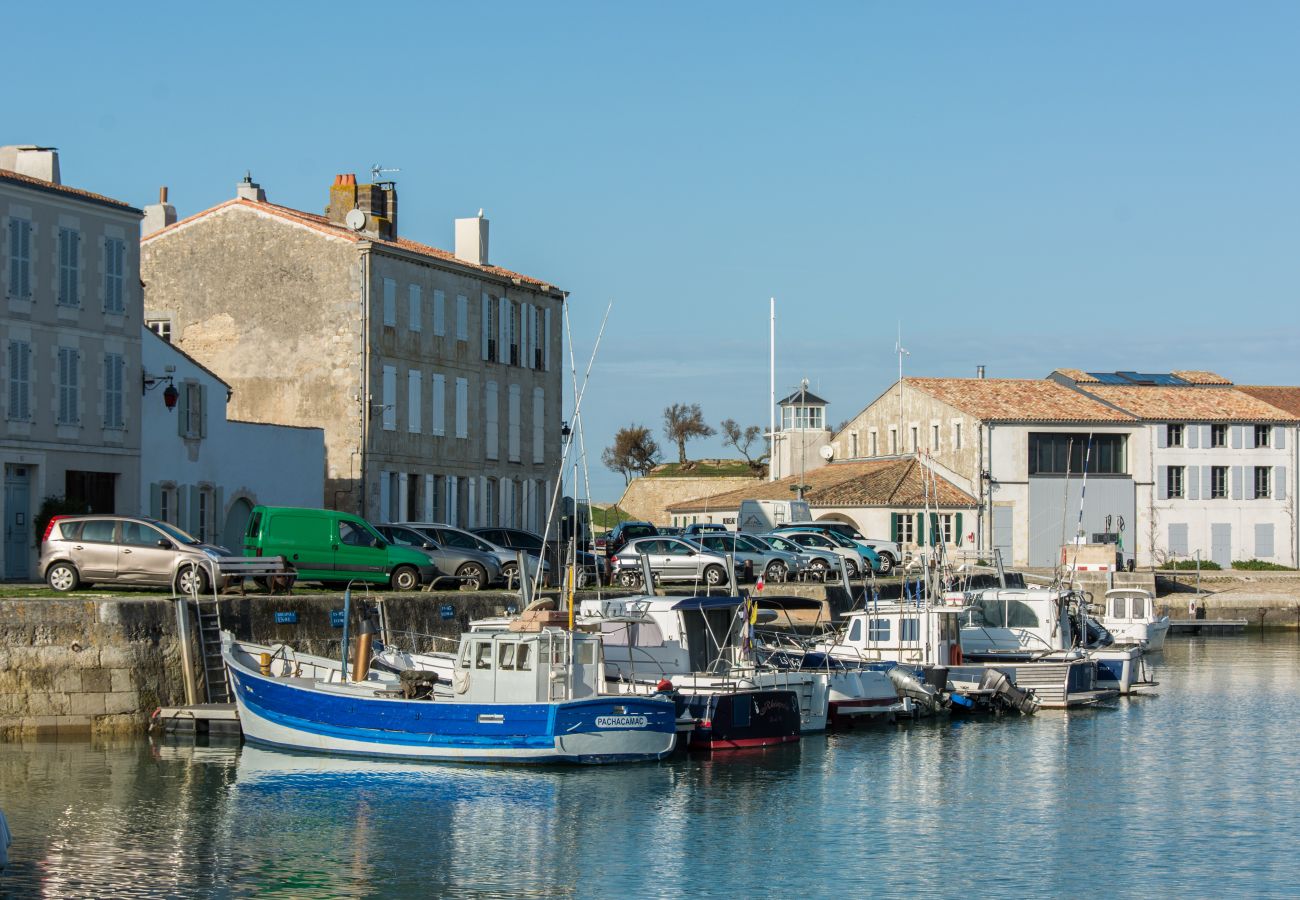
(771, 385)
(898, 348)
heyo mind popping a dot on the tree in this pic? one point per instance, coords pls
(634, 452)
(683, 421)
(742, 439)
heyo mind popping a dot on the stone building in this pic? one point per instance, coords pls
(435, 375)
(69, 271)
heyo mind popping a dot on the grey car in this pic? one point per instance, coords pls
(671, 559)
(772, 565)
(821, 562)
(477, 569)
(450, 535)
(124, 550)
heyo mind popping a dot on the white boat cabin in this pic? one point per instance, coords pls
(646, 637)
(527, 667)
(901, 632)
(1028, 620)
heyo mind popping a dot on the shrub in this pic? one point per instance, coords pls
(50, 507)
(1206, 565)
(1259, 565)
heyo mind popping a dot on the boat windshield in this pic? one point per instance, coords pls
(998, 613)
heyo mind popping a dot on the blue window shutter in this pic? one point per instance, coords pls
(1235, 474)
(1192, 433)
(1235, 435)
(1162, 482)
(1193, 482)
(1162, 436)
(1279, 437)
(1248, 436)
(1248, 482)
(1279, 482)
(1205, 436)
(1207, 476)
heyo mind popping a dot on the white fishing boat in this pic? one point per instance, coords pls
(1129, 614)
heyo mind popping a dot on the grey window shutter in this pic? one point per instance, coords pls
(1162, 482)
(1178, 538)
(1235, 437)
(1207, 475)
(1279, 482)
(1236, 482)
(1248, 436)
(219, 518)
(1193, 482)
(1162, 436)
(1279, 437)
(1263, 541)
(193, 526)
(1248, 482)
(1205, 436)
(203, 410)
(155, 499)
(182, 510)
(503, 330)
(1192, 433)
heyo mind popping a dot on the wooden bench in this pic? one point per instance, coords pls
(233, 570)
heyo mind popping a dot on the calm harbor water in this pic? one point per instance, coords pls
(1191, 792)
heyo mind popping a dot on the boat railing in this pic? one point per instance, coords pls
(419, 642)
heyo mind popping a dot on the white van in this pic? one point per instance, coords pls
(761, 516)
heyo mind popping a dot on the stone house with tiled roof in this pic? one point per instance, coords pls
(434, 374)
(882, 498)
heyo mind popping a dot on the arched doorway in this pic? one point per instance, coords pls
(232, 535)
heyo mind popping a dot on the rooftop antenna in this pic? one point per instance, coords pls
(898, 348)
(376, 170)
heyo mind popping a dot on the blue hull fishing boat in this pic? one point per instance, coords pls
(515, 697)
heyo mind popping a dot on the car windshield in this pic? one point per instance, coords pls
(838, 540)
(176, 534)
(750, 543)
(457, 539)
(404, 537)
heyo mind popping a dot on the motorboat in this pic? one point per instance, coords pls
(527, 696)
(1129, 614)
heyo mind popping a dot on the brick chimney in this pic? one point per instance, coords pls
(472, 240)
(158, 216)
(377, 202)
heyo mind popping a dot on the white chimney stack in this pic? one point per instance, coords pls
(248, 189)
(32, 161)
(472, 240)
(158, 216)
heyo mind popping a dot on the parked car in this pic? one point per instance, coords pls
(772, 565)
(623, 532)
(823, 559)
(889, 552)
(591, 568)
(671, 559)
(334, 547)
(762, 516)
(850, 558)
(451, 536)
(695, 529)
(800, 560)
(78, 551)
(475, 568)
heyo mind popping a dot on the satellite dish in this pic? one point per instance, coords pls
(827, 451)
(355, 219)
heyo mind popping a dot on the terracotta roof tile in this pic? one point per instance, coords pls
(1187, 404)
(1017, 400)
(1284, 398)
(325, 226)
(1200, 376)
(894, 482)
(43, 185)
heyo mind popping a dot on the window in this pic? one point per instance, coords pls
(945, 527)
(878, 630)
(909, 629)
(439, 387)
(20, 258)
(20, 381)
(389, 411)
(462, 317)
(855, 632)
(491, 421)
(191, 421)
(414, 400)
(439, 313)
(956, 435)
(353, 534)
(1218, 435)
(537, 336)
(69, 267)
(1262, 435)
(489, 330)
(1174, 481)
(872, 439)
(69, 385)
(807, 417)
(934, 437)
(512, 420)
(390, 302)
(1059, 454)
(914, 438)
(1218, 482)
(114, 275)
(114, 375)
(512, 332)
(1174, 436)
(1263, 484)
(416, 304)
(893, 441)
(853, 445)
(906, 528)
(205, 515)
(167, 504)
(160, 327)
(490, 501)
(462, 404)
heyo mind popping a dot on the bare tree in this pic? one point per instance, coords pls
(634, 452)
(683, 421)
(742, 439)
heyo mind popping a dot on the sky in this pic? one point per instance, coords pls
(1026, 187)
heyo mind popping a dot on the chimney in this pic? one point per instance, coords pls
(32, 161)
(376, 202)
(248, 189)
(472, 240)
(158, 216)
(979, 371)
(343, 198)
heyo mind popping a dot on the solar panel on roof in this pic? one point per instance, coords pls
(1109, 378)
(1144, 378)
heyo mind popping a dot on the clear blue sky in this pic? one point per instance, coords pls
(1024, 186)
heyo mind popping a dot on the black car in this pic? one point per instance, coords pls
(590, 567)
(623, 532)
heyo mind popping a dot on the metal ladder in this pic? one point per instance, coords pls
(215, 685)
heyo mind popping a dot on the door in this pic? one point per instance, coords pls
(676, 560)
(95, 554)
(144, 555)
(358, 552)
(1221, 545)
(1003, 534)
(18, 517)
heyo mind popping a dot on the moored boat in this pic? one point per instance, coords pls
(1130, 615)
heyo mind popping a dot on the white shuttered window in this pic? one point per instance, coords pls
(439, 387)
(491, 419)
(414, 400)
(462, 408)
(513, 420)
(539, 424)
(390, 398)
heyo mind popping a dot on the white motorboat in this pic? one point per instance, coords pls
(1129, 614)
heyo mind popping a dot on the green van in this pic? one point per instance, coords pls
(334, 547)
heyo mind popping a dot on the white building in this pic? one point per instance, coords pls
(204, 472)
(797, 446)
(70, 336)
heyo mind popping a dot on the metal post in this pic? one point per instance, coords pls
(347, 615)
(183, 635)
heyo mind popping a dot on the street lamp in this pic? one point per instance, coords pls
(170, 394)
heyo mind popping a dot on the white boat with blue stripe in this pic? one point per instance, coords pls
(515, 697)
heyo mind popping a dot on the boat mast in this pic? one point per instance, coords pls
(771, 386)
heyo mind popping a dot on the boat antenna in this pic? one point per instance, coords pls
(898, 348)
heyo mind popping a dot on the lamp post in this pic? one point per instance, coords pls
(170, 393)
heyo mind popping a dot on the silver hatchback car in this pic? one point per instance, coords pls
(78, 551)
(671, 559)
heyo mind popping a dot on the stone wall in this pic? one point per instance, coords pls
(650, 498)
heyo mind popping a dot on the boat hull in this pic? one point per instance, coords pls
(733, 720)
(280, 713)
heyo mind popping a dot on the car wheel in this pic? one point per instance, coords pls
(714, 576)
(473, 577)
(777, 571)
(629, 579)
(510, 572)
(818, 569)
(405, 578)
(886, 563)
(851, 568)
(191, 580)
(62, 577)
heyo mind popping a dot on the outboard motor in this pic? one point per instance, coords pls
(1006, 694)
(908, 685)
(1095, 635)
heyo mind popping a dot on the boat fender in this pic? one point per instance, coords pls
(264, 663)
(954, 655)
(460, 681)
(664, 686)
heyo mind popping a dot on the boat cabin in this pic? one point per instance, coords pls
(647, 637)
(527, 667)
(1013, 620)
(1128, 605)
(900, 632)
